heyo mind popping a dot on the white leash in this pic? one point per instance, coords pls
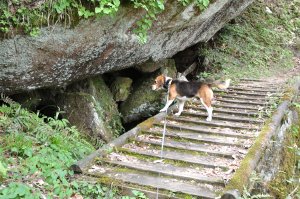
(164, 133)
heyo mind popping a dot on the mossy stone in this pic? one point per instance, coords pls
(120, 88)
(89, 105)
(143, 102)
(151, 66)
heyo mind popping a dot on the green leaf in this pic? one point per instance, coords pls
(28, 152)
(98, 10)
(117, 3)
(14, 149)
(107, 11)
(3, 171)
(160, 4)
(152, 15)
(205, 3)
(80, 13)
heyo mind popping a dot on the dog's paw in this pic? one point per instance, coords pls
(208, 119)
(177, 114)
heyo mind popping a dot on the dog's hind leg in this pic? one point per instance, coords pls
(180, 107)
(210, 112)
(209, 109)
(206, 95)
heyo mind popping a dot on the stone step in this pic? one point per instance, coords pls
(191, 158)
(253, 80)
(166, 169)
(221, 151)
(247, 102)
(262, 89)
(247, 93)
(214, 122)
(259, 86)
(220, 116)
(201, 138)
(127, 191)
(219, 131)
(243, 97)
(223, 110)
(154, 182)
(238, 106)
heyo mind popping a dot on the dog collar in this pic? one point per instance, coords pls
(167, 83)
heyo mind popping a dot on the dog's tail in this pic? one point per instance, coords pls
(221, 84)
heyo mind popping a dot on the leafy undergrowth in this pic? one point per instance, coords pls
(35, 155)
(30, 15)
(258, 43)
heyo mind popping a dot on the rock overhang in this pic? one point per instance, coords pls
(60, 56)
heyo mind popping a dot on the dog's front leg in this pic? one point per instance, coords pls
(169, 102)
(180, 107)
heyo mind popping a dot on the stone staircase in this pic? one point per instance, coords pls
(199, 158)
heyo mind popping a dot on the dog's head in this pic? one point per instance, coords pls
(159, 82)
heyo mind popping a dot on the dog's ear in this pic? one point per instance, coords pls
(160, 80)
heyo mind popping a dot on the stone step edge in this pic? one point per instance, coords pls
(180, 145)
(223, 117)
(149, 168)
(181, 157)
(197, 139)
(172, 126)
(212, 123)
(220, 110)
(148, 181)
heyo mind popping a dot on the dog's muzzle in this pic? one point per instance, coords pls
(154, 87)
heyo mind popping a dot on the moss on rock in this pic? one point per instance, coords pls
(151, 66)
(90, 106)
(120, 88)
(143, 102)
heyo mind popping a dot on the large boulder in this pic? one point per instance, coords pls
(90, 106)
(95, 46)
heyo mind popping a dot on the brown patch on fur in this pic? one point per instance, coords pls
(206, 94)
(172, 92)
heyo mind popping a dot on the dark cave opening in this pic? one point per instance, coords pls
(49, 110)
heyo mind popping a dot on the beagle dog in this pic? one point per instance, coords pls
(183, 90)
